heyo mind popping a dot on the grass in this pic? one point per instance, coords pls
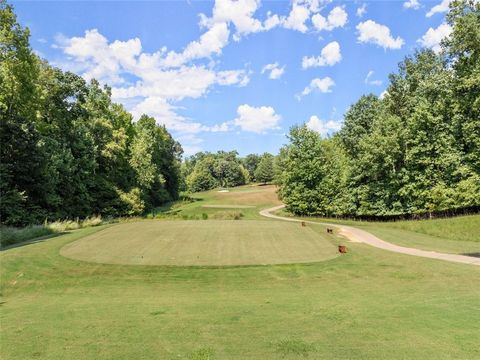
(366, 304)
(203, 243)
(12, 235)
(243, 202)
(456, 235)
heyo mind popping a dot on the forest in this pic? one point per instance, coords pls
(416, 150)
(68, 151)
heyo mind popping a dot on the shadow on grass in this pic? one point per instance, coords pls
(173, 207)
(475, 254)
(33, 241)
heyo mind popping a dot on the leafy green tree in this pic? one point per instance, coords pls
(359, 121)
(463, 51)
(21, 156)
(314, 175)
(250, 163)
(265, 172)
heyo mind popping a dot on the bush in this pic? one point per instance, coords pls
(92, 221)
(204, 216)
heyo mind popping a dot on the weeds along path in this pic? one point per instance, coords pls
(357, 235)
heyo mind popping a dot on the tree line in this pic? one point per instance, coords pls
(67, 150)
(205, 171)
(416, 150)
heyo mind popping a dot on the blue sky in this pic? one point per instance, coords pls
(230, 74)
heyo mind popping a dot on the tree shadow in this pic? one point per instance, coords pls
(474, 254)
(33, 241)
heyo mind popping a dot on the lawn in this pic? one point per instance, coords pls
(366, 304)
(243, 202)
(203, 243)
(456, 235)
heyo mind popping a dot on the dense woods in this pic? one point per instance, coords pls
(417, 150)
(67, 150)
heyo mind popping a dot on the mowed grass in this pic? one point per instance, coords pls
(242, 203)
(203, 243)
(456, 235)
(367, 304)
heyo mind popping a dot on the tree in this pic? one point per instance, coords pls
(250, 163)
(359, 121)
(264, 172)
(463, 53)
(22, 158)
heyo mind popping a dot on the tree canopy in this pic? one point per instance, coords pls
(414, 151)
(66, 149)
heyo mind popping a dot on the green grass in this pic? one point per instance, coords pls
(203, 243)
(11, 235)
(456, 235)
(368, 303)
(240, 203)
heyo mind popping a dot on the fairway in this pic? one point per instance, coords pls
(203, 243)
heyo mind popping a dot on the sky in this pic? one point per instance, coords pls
(235, 74)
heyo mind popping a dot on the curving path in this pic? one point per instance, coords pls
(358, 235)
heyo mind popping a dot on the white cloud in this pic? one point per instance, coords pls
(371, 32)
(330, 55)
(275, 70)
(164, 113)
(211, 42)
(297, 18)
(238, 12)
(433, 37)
(177, 84)
(362, 10)
(369, 81)
(338, 17)
(440, 8)
(411, 4)
(323, 127)
(150, 83)
(383, 95)
(256, 119)
(323, 85)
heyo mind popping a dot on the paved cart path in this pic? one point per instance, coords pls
(358, 235)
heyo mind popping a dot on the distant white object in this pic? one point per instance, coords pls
(225, 190)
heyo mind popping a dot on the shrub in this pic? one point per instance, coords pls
(92, 221)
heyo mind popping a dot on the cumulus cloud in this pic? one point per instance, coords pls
(211, 42)
(256, 119)
(371, 32)
(297, 18)
(440, 8)
(362, 10)
(330, 55)
(275, 70)
(338, 17)
(370, 81)
(433, 37)
(238, 12)
(411, 4)
(323, 127)
(323, 85)
(155, 80)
